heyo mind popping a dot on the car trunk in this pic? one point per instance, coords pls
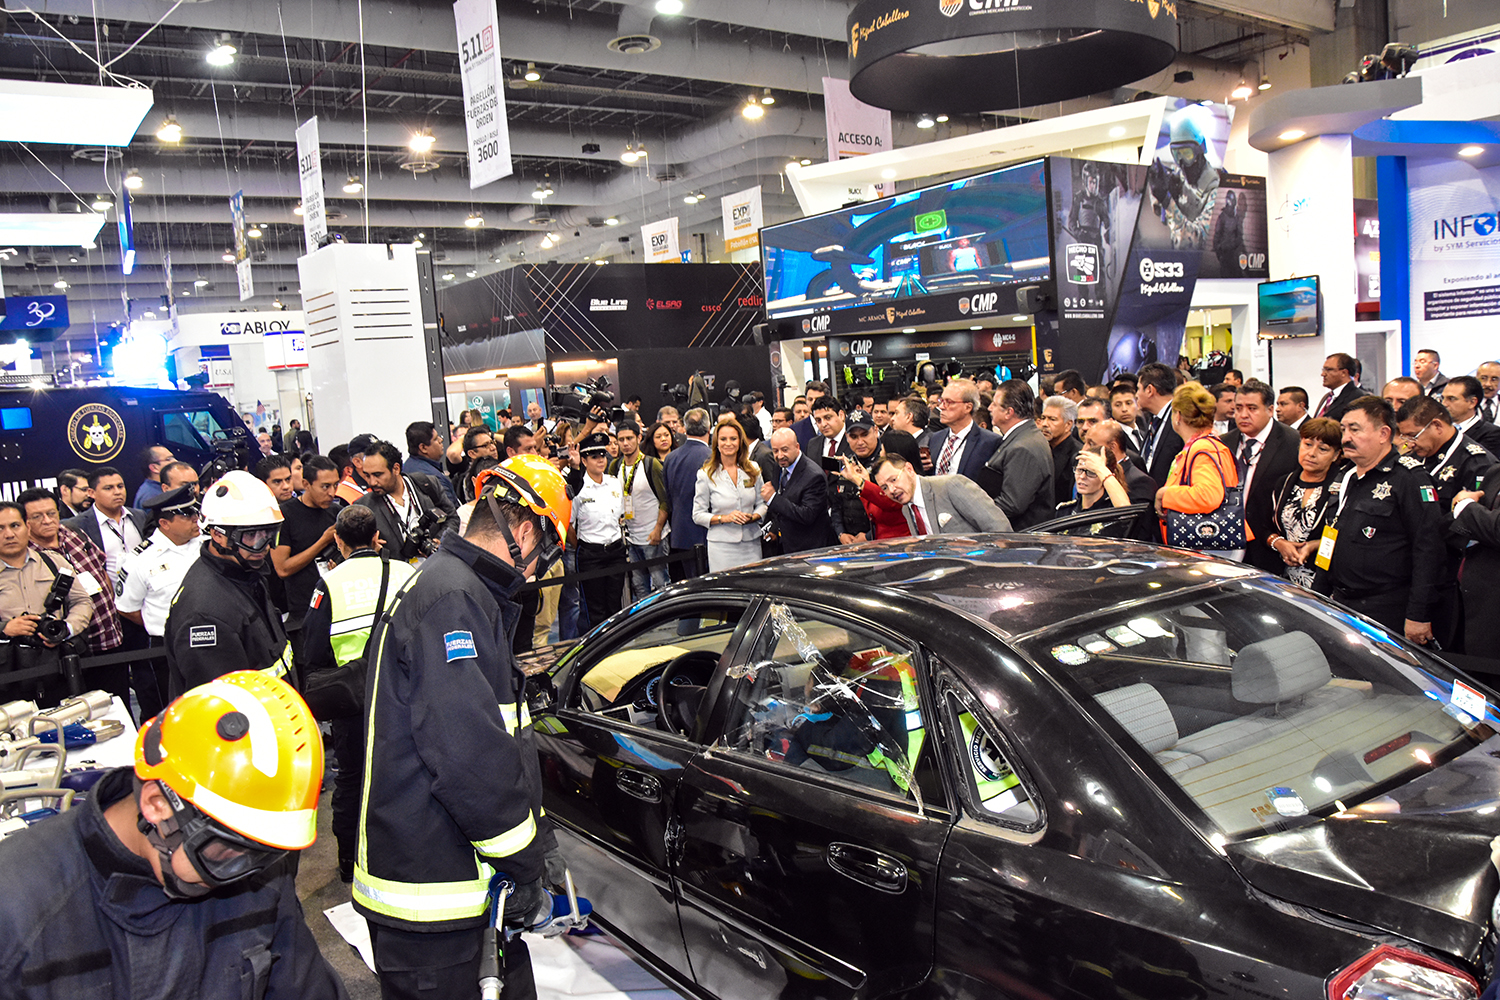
(1413, 862)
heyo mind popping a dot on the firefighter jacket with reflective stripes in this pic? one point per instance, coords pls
(222, 619)
(337, 624)
(452, 787)
(84, 917)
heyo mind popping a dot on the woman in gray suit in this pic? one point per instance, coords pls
(726, 500)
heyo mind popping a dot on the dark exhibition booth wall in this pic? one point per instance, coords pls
(663, 322)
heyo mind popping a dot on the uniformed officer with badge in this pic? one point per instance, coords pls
(1453, 459)
(222, 618)
(1383, 548)
(598, 512)
(152, 573)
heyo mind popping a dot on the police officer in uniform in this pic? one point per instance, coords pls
(851, 522)
(151, 574)
(335, 631)
(598, 510)
(222, 618)
(1384, 548)
(453, 788)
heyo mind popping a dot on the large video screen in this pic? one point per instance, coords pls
(968, 234)
(1290, 308)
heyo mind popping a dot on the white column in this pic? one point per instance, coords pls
(1310, 201)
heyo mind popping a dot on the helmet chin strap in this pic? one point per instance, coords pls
(546, 554)
(166, 837)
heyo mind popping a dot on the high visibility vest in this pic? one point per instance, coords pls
(353, 589)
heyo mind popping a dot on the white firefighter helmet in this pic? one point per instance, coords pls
(239, 500)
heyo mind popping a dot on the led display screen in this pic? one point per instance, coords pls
(958, 237)
(1290, 308)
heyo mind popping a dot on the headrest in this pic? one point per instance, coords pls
(1143, 713)
(1279, 668)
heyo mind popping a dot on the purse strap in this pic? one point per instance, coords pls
(385, 580)
(1213, 456)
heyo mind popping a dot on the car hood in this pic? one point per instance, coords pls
(1414, 862)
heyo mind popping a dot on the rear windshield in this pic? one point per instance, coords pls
(1263, 704)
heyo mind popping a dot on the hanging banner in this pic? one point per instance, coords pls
(484, 90)
(660, 241)
(241, 245)
(854, 129)
(742, 219)
(310, 173)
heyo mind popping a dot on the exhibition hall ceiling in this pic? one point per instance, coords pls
(681, 100)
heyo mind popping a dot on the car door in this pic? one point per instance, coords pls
(610, 774)
(812, 830)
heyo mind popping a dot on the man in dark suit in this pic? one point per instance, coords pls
(830, 441)
(1425, 368)
(1476, 518)
(400, 500)
(109, 524)
(910, 415)
(1159, 442)
(796, 496)
(962, 446)
(1461, 397)
(1265, 451)
(680, 470)
(1059, 414)
(805, 429)
(1019, 473)
(1338, 379)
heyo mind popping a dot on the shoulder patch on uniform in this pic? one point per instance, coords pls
(142, 546)
(1475, 449)
(317, 599)
(200, 636)
(460, 646)
(1427, 493)
(1410, 462)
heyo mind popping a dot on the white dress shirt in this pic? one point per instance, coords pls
(150, 578)
(919, 504)
(958, 451)
(120, 539)
(597, 510)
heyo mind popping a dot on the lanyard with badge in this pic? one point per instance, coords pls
(628, 504)
(1330, 531)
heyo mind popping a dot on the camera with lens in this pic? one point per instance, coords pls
(578, 400)
(52, 628)
(422, 539)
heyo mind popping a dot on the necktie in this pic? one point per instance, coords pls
(1245, 457)
(1324, 407)
(916, 516)
(1488, 409)
(830, 447)
(786, 477)
(947, 456)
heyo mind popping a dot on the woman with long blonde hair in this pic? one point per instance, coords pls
(726, 499)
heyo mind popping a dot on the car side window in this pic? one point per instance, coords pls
(993, 787)
(624, 683)
(835, 700)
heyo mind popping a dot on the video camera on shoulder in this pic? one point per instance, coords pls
(578, 400)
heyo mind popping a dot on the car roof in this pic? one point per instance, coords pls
(1018, 583)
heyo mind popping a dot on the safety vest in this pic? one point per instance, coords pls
(353, 589)
(889, 688)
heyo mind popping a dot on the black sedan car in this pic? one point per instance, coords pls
(1023, 766)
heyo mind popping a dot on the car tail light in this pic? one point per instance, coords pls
(1389, 973)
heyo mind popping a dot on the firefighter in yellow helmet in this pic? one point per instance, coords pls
(452, 788)
(170, 879)
(222, 618)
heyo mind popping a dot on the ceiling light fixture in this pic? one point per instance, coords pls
(417, 243)
(277, 304)
(1471, 151)
(422, 141)
(227, 257)
(133, 179)
(633, 154)
(611, 221)
(297, 208)
(1242, 92)
(942, 118)
(72, 259)
(805, 162)
(1117, 131)
(353, 185)
(1265, 83)
(254, 232)
(669, 6)
(471, 273)
(1291, 135)
(170, 131)
(533, 75)
(926, 121)
(767, 98)
(752, 109)
(103, 202)
(474, 221)
(200, 282)
(223, 51)
(60, 285)
(449, 275)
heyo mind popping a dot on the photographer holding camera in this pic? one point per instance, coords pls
(42, 604)
(411, 511)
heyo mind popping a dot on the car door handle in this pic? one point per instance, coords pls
(879, 871)
(638, 785)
